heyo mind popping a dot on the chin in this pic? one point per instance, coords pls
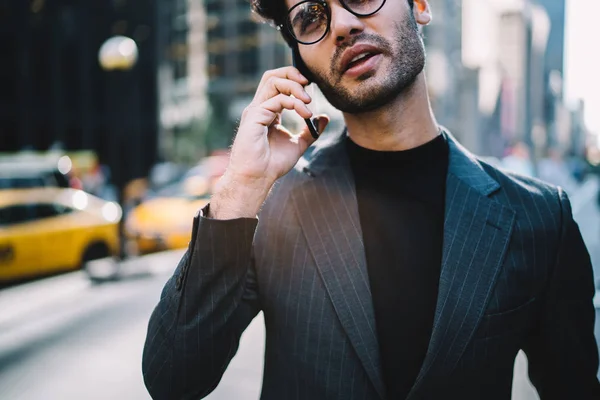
(370, 94)
(370, 91)
(364, 87)
(366, 77)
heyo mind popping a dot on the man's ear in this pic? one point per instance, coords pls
(422, 12)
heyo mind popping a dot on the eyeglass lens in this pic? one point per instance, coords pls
(309, 20)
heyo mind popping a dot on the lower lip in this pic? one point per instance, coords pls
(363, 66)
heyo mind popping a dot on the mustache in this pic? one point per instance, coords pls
(375, 40)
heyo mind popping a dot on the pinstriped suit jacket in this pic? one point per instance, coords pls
(515, 275)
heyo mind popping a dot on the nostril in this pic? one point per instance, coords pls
(353, 32)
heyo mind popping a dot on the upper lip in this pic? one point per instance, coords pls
(355, 51)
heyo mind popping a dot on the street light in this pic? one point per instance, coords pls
(118, 53)
(117, 56)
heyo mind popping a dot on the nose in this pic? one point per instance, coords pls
(344, 24)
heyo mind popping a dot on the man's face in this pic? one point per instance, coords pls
(391, 35)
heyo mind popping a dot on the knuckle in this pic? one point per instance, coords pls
(247, 110)
(272, 81)
(290, 85)
(291, 101)
(257, 115)
(299, 88)
(253, 112)
(266, 75)
(263, 112)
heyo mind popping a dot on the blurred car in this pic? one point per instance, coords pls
(31, 174)
(49, 230)
(164, 220)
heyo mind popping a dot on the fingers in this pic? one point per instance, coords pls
(266, 113)
(280, 102)
(279, 89)
(276, 85)
(289, 73)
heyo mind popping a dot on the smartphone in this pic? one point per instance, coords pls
(298, 63)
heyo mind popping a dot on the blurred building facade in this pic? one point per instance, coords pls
(494, 69)
(525, 30)
(182, 79)
(555, 53)
(240, 49)
(444, 68)
(56, 93)
(516, 53)
(563, 125)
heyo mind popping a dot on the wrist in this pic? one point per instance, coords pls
(236, 197)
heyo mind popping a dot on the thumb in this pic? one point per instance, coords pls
(320, 122)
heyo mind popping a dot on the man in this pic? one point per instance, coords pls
(392, 265)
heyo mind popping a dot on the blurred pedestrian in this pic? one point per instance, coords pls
(518, 160)
(554, 169)
(393, 264)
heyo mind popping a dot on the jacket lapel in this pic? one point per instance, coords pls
(477, 231)
(328, 214)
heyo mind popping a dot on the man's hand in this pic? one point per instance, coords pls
(264, 150)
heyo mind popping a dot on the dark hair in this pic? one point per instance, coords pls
(274, 11)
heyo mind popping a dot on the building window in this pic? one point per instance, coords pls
(216, 65)
(178, 50)
(247, 28)
(248, 62)
(214, 6)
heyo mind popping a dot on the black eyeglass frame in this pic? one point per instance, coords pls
(286, 25)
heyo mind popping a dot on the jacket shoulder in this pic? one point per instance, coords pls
(523, 182)
(526, 194)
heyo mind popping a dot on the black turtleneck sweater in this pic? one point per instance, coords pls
(401, 206)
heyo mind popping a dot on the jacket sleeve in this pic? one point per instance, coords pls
(205, 306)
(562, 353)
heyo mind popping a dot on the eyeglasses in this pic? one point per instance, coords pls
(308, 21)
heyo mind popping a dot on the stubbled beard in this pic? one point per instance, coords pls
(407, 54)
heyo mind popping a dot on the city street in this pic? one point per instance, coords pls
(65, 338)
(118, 120)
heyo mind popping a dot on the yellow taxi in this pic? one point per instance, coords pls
(164, 221)
(48, 230)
